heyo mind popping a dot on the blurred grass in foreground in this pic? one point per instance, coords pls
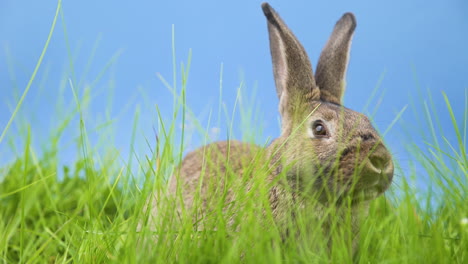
(91, 214)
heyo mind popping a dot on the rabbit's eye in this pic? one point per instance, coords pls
(319, 129)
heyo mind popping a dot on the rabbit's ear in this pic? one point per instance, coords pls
(331, 68)
(295, 83)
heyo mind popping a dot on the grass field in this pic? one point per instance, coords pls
(95, 211)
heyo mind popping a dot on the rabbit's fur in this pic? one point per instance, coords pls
(329, 150)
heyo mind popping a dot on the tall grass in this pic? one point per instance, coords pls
(97, 211)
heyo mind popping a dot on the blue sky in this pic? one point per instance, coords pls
(415, 45)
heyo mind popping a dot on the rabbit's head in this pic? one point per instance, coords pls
(325, 145)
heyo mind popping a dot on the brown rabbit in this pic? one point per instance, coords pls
(324, 145)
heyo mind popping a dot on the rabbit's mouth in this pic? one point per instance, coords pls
(365, 195)
(358, 196)
(370, 186)
(377, 173)
(367, 185)
(369, 179)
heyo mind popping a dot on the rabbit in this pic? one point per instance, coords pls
(322, 143)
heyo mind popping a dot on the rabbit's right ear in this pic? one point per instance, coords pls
(294, 79)
(332, 64)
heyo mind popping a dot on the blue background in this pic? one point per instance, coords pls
(417, 47)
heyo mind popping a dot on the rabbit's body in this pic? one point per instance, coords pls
(211, 163)
(325, 150)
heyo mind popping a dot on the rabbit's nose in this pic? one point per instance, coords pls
(378, 163)
(379, 166)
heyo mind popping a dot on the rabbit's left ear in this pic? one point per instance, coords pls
(331, 68)
(294, 79)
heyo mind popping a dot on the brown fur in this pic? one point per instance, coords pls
(321, 166)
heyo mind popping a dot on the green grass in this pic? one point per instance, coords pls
(92, 216)
(96, 212)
